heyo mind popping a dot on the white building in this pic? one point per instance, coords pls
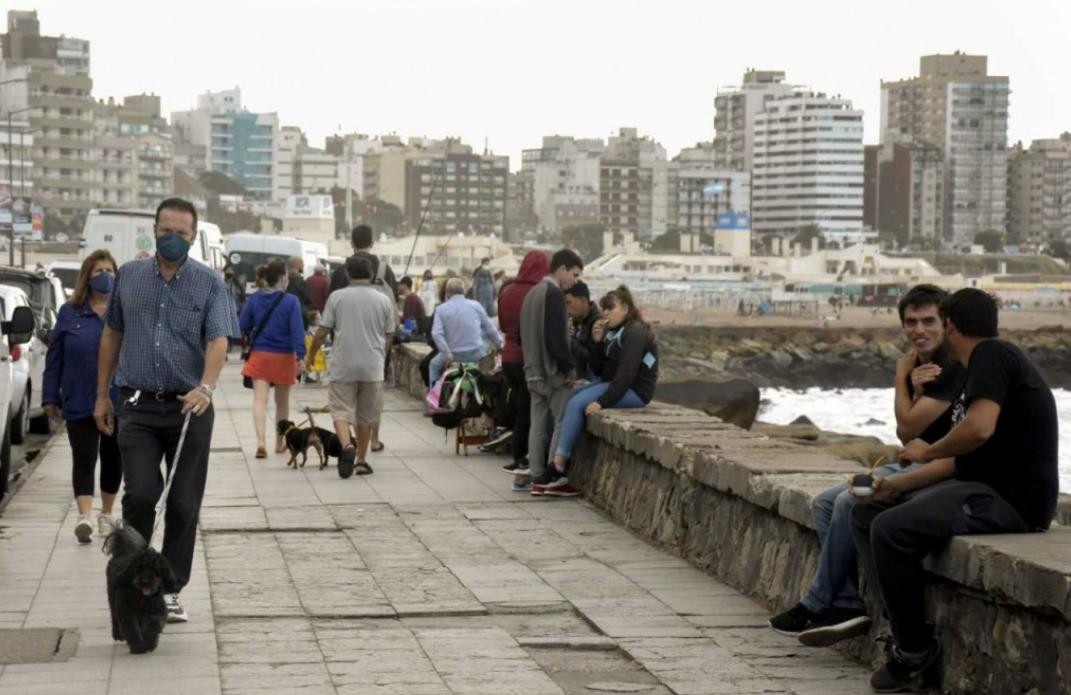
(699, 190)
(287, 140)
(735, 109)
(565, 181)
(808, 166)
(456, 253)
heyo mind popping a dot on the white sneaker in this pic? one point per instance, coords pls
(175, 612)
(105, 525)
(83, 530)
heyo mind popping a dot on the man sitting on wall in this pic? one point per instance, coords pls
(1001, 454)
(927, 382)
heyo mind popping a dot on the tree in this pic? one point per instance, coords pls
(1058, 248)
(806, 233)
(585, 239)
(670, 241)
(992, 240)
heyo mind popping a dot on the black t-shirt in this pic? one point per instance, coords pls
(1020, 460)
(946, 387)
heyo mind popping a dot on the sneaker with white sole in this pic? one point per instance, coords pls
(175, 612)
(105, 525)
(561, 488)
(83, 530)
(835, 625)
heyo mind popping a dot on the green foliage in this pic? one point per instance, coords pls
(992, 240)
(586, 239)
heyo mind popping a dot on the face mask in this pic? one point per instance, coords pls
(172, 247)
(102, 284)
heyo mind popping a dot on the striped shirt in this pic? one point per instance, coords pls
(166, 324)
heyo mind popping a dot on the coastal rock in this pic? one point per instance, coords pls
(732, 400)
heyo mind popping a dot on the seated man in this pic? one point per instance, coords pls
(1001, 456)
(412, 307)
(927, 382)
(461, 331)
(583, 313)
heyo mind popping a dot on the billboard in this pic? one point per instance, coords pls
(21, 216)
(732, 220)
(310, 206)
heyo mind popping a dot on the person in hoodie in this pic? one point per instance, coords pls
(548, 362)
(624, 360)
(533, 268)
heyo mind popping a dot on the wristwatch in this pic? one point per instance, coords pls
(206, 389)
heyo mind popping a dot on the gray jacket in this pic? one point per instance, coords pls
(544, 336)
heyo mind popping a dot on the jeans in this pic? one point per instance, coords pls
(438, 363)
(148, 432)
(894, 536)
(86, 442)
(521, 402)
(835, 580)
(572, 420)
(547, 403)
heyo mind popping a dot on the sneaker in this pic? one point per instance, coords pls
(175, 612)
(522, 484)
(835, 625)
(83, 530)
(346, 461)
(516, 468)
(795, 620)
(540, 483)
(561, 488)
(499, 437)
(105, 525)
(901, 674)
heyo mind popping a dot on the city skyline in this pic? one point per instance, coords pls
(492, 87)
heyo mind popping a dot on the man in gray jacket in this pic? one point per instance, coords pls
(548, 362)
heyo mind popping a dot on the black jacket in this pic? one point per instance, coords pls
(628, 361)
(581, 345)
(340, 278)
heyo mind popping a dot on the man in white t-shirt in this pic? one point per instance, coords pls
(363, 320)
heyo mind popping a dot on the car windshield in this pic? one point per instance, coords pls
(67, 276)
(245, 268)
(35, 288)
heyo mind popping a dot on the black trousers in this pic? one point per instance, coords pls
(520, 401)
(87, 442)
(148, 433)
(893, 537)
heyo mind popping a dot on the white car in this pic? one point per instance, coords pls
(66, 272)
(27, 366)
(17, 331)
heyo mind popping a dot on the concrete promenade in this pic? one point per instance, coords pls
(427, 578)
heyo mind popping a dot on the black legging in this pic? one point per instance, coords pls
(86, 442)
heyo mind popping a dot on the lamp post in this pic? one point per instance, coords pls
(11, 170)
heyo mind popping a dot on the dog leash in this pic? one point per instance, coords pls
(162, 504)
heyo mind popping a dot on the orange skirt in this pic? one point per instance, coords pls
(278, 368)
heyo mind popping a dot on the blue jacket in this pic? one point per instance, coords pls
(71, 362)
(284, 331)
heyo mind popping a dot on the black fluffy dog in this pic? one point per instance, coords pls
(138, 578)
(298, 441)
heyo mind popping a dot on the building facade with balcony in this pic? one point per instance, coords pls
(457, 193)
(633, 186)
(1039, 191)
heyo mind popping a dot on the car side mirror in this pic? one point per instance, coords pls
(20, 328)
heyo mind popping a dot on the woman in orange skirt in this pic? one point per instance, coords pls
(276, 350)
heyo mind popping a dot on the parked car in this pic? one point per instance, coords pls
(28, 369)
(45, 295)
(66, 272)
(16, 331)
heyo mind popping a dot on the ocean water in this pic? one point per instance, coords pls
(870, 412)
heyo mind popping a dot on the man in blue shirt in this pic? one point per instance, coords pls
(461, 330)
(167, 326)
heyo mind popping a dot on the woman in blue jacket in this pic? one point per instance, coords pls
(70, 391)
(276, 351)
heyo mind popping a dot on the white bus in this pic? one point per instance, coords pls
(128, 235)
(246, 251)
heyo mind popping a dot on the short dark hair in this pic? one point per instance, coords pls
(407, 281)
(973, 312)
(921, 295)
(359, 268)
(274, 270)
(361, 236)
(566, 258)
(580, 290)
(180, 204)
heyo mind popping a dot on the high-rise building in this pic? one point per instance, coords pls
(237, 142)
(565, 181)
(1039, 191)
(287, 141)
(699, 190)
(955, 106)
(454, 192)
(134, 153)
(385, 170)
(633, 186)
(735, 109)
(47, 84)
(808, 166)
(904, 192)
(315, 171)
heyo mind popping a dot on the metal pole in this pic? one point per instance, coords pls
(10, 179)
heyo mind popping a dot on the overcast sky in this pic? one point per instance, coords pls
(512, 71)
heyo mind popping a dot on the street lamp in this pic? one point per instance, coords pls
(11, 169)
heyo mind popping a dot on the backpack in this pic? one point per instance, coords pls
(462, 397)
(379, 280)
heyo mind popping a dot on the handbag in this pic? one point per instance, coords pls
(248, 381)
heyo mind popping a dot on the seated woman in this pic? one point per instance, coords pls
(625, 363)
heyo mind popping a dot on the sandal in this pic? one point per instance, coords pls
(262, 453)
(363, 468)
(380, 446)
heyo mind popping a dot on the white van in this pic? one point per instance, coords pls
(246, 251)
(128, 235)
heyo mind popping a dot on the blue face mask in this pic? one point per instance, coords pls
(172, 247)
(102, 284)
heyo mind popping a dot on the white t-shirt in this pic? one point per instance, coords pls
(362, 317)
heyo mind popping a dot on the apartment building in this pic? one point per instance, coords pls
(699, 190)
(565, 176)
(633, 186)
(457, 192)
(1039, 191)
(735, 109)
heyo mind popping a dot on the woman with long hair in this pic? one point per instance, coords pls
(276, 349)
(70, 391)
(625, 363)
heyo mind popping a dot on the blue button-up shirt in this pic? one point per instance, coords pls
(462, 325)
(166, 324)
(70, 379)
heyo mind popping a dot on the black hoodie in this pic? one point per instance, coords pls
(627, 361)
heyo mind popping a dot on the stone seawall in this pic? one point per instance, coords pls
(737, 504)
